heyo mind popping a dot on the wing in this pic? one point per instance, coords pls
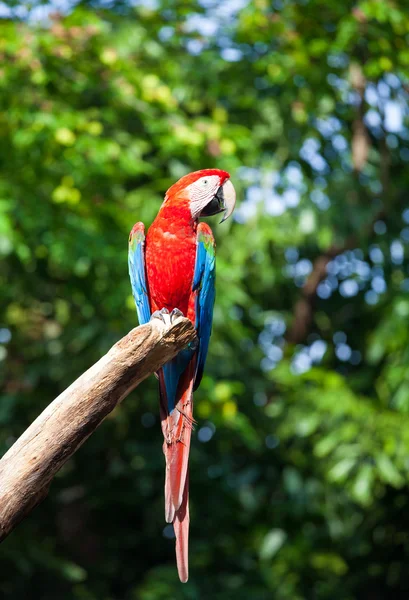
(204, 284)
(136, 263)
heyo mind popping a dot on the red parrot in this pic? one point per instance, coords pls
(172, 272)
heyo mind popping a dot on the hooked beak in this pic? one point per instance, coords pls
(223, 202)
(229, 197)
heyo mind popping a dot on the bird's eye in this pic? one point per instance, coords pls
(204, 181)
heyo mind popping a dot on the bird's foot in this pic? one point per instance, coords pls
(163, 315)
(166, 317)
(175, 314)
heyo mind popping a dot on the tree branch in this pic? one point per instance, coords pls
(360, 143)
(28, 467)
(304, 307)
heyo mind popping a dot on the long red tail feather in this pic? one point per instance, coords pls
(181, 527)
(177, 429)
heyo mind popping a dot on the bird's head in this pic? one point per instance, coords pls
(208, 192)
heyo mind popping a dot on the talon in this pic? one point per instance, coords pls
(162, 314)
(158, 314)
(175, 314)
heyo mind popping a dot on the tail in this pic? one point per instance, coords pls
(177, 429)
(181, 527)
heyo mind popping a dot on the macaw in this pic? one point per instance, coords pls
(172, 272)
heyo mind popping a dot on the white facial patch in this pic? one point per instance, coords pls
(201, 192)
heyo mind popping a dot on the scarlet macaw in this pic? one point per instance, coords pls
(172, 272)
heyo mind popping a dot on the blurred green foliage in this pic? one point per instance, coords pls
(299, 469)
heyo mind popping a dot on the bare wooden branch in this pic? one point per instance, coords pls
(28, 467)
(361, 142)
(304, 307)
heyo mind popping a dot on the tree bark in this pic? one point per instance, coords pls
(28, 467)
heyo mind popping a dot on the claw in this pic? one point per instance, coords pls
(175, 314)
(160, 314)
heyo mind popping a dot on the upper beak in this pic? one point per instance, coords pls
(229, 199)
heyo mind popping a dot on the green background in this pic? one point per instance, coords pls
(300, 460)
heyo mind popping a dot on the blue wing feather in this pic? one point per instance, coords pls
(204, 282)
(136, 263)
(172, 372)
